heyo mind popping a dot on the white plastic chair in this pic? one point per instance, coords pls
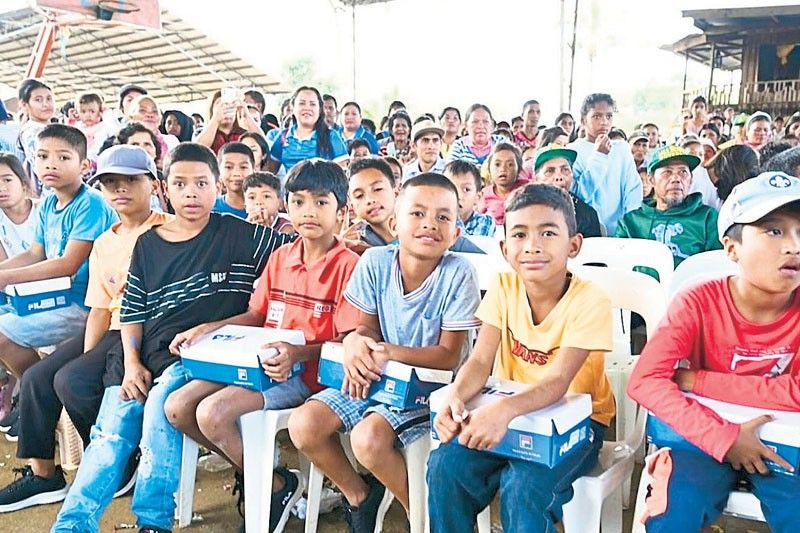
(599, 496)
(486, 266)
(626, 254)
(490, 245)
(702, 267)
(184, 498)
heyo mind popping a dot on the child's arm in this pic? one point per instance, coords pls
(137, 379)
(443, 356)
(97, 324)
(32, 255)
(19, 269)
(251, 317)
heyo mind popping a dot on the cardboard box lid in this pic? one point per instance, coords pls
(239, 345)
(563, 415)
(785, 429)
(333, 351)
(37, 287)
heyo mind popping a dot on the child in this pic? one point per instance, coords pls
(301, 288)
(417, 303)
(262, 201)
(36, 101)
(358, 149)
(124, 174)
(467, 179)
(236, 162)
(736, 339)
(549, 329)
(95, 123)
(372, 196)
(69, 221)
(504, 162)
(208, 262)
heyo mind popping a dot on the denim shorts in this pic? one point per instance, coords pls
(291, 393)
(45, 328)
(408, 425)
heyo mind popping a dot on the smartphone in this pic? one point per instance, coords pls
(228, 95)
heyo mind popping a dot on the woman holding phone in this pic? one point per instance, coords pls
(229, 120)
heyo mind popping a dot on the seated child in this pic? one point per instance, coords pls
(96, 123)
(736, 339)
(504, 163)
(137, 134)
(262, 201)
(124, 174)
(236, 162)
(358, 149)
(542, 326)
(299, 280)
(209, 262)
(417, 303)
(372, 195)
(467, 179)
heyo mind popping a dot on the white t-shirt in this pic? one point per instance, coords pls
(702, 183)
(16, 238)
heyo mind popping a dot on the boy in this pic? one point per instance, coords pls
(236, 162)
(207, 263)
(313, 272)
(70, 219)
(262, 201)
(95, 123)
(417, 303)
(358, 149)
(467, 179)
(124, 174)
(553, 165)
(372, 196)
(549, 329)
(736, 339)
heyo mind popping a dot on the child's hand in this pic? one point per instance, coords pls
(189, 337)
(485, 427)
(448, 422)
(602, 144)
(685, 379)
(278, 367)
(260, 217)
(359, 366)
(136, 382)
(749, 452)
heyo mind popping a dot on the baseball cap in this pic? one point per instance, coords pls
(758, 115)
(124, 159)
(755, 198)
(740, 119)
(708, 142)
(638, 135)
(673, 152)
(687, 139)
(553, 151)
(426, 126)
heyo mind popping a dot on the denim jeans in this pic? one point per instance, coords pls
(462, 482)
(121, 425)
(697, 490)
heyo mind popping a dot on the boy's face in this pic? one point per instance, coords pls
(468, 194)
(698, 109)
(647, 183)
(314, 215)
(769, 253)
(58, 164)
(556, 171)
(145, 142)
(360, 153)
(427, 147)
(233, 169)
(599, 120)
(371, 196)
(127, 194)
(537, 243)
(426, 221)
(262, 198)
(89, 113)
(671, 184)
(503, 168)
(192, 189)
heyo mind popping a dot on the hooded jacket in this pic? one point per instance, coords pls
(687, 229)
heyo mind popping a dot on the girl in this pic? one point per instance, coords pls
(505, 163)
(567, 123)
(258, 145)
(38, 105)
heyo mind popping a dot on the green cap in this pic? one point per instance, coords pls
(740, 119)
(553, 151)
(673, 152)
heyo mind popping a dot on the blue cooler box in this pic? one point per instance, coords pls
(547, 436)
(402, 386)
(37, 296)
(782, 434)
(233, 355)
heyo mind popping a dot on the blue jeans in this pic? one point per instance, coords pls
(697, 491)
(462, 483)
(121, 426)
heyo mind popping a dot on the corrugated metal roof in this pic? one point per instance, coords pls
(178, 63)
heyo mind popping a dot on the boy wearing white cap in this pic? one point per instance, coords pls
(736, 341)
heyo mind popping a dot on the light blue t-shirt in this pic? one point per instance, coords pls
(290, 150)
(446, 300)
(221, 206)
(364, 133)
(83, 219)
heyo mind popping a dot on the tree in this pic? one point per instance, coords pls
(303, 71)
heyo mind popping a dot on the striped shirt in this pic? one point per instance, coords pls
(463, 150)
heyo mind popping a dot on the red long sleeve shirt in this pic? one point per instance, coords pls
(736, 361)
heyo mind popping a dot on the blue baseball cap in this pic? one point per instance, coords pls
(124, 159)
(757, 197)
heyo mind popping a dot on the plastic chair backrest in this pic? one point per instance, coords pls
(490, 245)
(702, 267)
(486, 266)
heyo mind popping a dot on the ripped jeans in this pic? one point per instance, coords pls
(121, 425)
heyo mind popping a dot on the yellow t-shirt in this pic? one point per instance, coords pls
(109, 263)
(581, 319)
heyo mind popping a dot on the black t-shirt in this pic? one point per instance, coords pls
(586, 217)
(174, 286)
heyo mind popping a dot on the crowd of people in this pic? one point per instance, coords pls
(165, 222)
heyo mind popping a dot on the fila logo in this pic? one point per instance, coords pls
(218, 277)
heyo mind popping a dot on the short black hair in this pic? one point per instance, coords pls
(330, 97)
(591, 101)
(69, 134)
(710, 127)
(256, 95)
(733, 165)
(356, 143)
(430, 179)
(351, 103)
(787, 162)
(546, 195)
(124, 135)
(735, 232)
(237, 148)
(374, 163)
(772, 149)
(460, 166)
(262, 179)
(506, 146)
(319, 177)
(369, 125)
(700, 100)
(192, 152)
(27, 86)
(529, 103)
(395, 104)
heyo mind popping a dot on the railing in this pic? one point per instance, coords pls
(779, 96)
(721, 96)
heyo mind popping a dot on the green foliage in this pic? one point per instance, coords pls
(303, 71)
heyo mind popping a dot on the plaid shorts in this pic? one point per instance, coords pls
(408, 425)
